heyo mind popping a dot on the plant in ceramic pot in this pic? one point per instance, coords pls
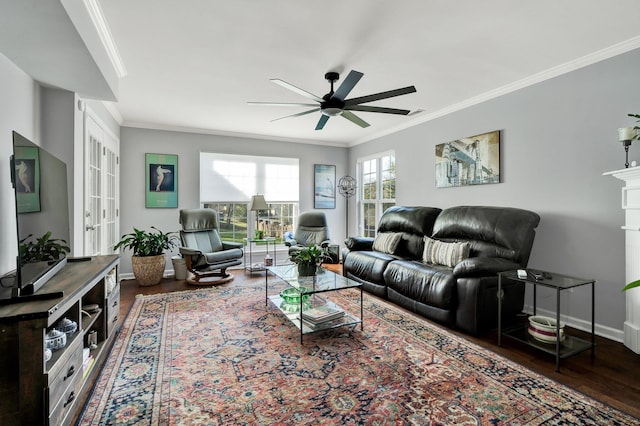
(148, 260)
(308, 259)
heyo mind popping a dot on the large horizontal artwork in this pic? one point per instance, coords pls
(469, 161)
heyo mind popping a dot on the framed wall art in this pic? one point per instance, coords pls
(324, 186)
(469, 161)
(161, 180)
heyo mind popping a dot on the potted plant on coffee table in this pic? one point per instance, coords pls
(148, 260)
(308, 259)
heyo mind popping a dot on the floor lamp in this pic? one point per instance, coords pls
(347, 188)
(258, 203)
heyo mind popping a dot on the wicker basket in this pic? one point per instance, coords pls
(148, 270)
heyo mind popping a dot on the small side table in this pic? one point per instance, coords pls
(571, 345)
(259, 266)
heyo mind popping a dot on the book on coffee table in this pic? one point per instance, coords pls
(322, 313)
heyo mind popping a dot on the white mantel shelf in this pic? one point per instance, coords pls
(630, 174)
(631, 206)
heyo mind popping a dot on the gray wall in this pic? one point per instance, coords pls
(19, 106)
(135, 142)
(557, 138)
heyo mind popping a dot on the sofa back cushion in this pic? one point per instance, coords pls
(387, 242)
(445, 254)
(414, 223)
(503, 232)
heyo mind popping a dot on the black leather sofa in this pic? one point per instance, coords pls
(462, 295)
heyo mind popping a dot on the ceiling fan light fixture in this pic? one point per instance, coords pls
(332, 112)
(335, 104)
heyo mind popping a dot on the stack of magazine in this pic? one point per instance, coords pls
(321, 316)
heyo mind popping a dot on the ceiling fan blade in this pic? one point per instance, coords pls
(279, 104)
(381, 95)
(323, 120)
(354, 119)
(298, 114)
(297, 90)
(347, 85)
(384, 110)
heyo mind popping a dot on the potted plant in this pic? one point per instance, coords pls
(308, 259)
(148, 259)
(44, 249)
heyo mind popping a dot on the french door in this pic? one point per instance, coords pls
(101, 206)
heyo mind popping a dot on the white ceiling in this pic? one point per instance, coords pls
(194, 64)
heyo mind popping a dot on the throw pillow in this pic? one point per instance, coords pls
(387, 242)
(442, 253)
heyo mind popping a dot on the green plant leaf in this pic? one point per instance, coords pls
(631, 285)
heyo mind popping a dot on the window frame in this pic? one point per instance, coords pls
(379, 203)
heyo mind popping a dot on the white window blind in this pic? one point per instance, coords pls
(235, 178)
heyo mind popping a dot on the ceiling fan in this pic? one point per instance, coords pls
(334, 103)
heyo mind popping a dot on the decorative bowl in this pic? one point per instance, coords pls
(294, 307)
(55, 339)
(92, 308)
(67, 326)
(291, 295)
(47, 354)
(543, 329)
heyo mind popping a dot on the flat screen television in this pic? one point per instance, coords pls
(42, 218)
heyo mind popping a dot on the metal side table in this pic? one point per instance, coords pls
(571, 345)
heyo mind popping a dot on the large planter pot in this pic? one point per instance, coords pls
(148, 270)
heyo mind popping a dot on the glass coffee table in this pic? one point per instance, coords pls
(304, 300)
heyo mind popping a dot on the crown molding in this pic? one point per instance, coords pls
(169, 128)
(100, 24)
(567, 67)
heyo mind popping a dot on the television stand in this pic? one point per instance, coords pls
(31, 297)
(42, 388)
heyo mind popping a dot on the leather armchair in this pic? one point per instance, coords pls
(312, 229)
(207, 257)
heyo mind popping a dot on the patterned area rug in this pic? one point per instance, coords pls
(220, 356)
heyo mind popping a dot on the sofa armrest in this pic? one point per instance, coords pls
(359, 243)
(483, 266)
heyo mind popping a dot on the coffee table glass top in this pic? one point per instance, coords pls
(324, 280)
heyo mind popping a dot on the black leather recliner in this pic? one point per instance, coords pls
(463, 295)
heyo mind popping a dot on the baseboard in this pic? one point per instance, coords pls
(580, 324)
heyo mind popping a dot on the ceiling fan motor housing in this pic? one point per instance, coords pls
(331, 107)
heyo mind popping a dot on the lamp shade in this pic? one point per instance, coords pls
(258, 203)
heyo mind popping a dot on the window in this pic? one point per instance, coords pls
(378, 193)
(228, 181)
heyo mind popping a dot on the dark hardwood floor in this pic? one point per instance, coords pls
(613, 377)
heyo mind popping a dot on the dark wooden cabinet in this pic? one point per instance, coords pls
(34, 390)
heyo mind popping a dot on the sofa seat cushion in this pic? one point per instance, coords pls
(367, 265)
(432, 285)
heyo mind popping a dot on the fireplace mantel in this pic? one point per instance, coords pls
(631, 227)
